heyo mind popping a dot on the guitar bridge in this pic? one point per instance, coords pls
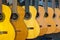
(17, 31)
(3, 32)
(30, 28)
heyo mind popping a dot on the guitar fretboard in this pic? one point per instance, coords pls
(46, 5)
(26, 5)
(59, 4)
(53, 5)
(14, 6)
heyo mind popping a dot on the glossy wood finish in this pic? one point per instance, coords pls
(57, 20)
(32, 23)
(21, 29)
(7, 31)
(41, 21)
(50, 23)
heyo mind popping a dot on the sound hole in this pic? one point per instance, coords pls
(14, 16)
(54, 15)
(46, 14)
(1, 16)
(37, 15)
(27, 15)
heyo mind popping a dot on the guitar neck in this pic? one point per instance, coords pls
(0, 6)
(53, 4)
(59, 4)
(36, 4)
(46, 5)
(26, 6)
(14, 6)
(31, 2)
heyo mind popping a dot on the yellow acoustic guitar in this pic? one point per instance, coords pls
(7, 31)
(50, 23)
(17, 19)
(32, 25)
(56, 18)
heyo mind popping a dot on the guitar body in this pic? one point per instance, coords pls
(41, 21)
(57, 20)
(21, 29)
(31, 23)
(7, 31)
(50, 23)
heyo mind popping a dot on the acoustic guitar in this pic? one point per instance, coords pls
(48, 17)
(30, 20)
(56, 17)
(40, 19)
(7, 31)
(17, 19)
